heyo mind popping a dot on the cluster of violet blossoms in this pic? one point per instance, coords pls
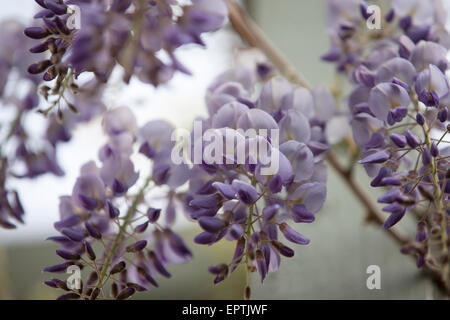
(24, 152)
(109, 227)
(95, 36)
(399, 114)
(67, 50)
(238, 201)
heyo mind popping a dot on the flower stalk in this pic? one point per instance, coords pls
(131, 211)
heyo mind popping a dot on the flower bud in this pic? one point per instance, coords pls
(142, 227)
(420, 118)
(93, 232)
(225, 190)
(412, 140)
(93, 277)
(282, 249)
(68, 255)
(57, 268)
(211, 224)
(69, 296)
(72, 234)
(138, 246)
(247, 293)
(114, 290)
(153, 214)
(377, 157)
(36, 32)
(221, 269)
(245, 192)
(89, 251)
(112, 210)
(292, 235)
(94, 294)
(125, 293)
(434, 150)
(398, 139)
(39, 67)
(118, 267)
(426, 156)
(275, 184)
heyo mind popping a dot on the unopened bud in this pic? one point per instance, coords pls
(119, 267)
(125, 293)
(247, 293)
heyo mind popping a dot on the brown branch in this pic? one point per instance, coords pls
(373, 213)
(254, 36)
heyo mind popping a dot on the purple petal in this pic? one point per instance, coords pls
(225, 190)
(377, 157)
(300, 214)
(245, 192)
(74, 235)
(292, 235)
(211, 224)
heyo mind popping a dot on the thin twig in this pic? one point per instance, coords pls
(122, 229)
(255, 37)
(373, 213)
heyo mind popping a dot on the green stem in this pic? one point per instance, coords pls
(248, 232)
(122, 229)
(133, 42)
(441, 209)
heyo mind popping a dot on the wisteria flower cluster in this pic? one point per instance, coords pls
(141, 36)
(399, 116)
(111, 230)
(25, 153)
(352, 40)
(249, 170)
(236, 200)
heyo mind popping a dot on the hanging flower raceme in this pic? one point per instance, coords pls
(400, 114)
(355, 28)
(26, 152)
(261, 167)
(81, 36)
(107, 224)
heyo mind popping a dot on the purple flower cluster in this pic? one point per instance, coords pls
(262, 145)
(108, 227)
(27, 154)
(138, 35)
(400, 112)
(236, 200)
(19, 157)
(352, 40)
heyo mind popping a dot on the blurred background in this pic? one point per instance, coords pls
(332, 266)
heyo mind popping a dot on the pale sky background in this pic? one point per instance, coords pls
(180, 102)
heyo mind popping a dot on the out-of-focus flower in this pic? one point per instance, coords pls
(399, 107)
(140, 36)
(136, 246)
